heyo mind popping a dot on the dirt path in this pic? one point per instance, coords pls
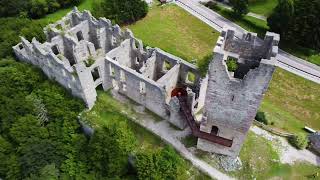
(288, 154)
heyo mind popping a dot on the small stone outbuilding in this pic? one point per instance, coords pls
(315, 141)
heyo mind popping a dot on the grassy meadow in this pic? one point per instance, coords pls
(262, 7)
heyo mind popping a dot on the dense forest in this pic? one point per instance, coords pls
(32, 8)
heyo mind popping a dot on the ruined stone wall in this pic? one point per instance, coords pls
(41, 56)
(231, 103)
(135, 86)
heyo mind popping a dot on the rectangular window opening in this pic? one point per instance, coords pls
(55, 50)
(166, 65)
(95, 74)
(191, 77)
(79, 36)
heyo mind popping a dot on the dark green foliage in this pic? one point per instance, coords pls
(261, 117)
(203, 64)
(300, 141)
(281, 17)
(298, 22)
(240, 7)
(109, 149)
(232, 64)
(161, 164)
(32, 145)
(212, 5)
(32, 8)
(121, 11)
(12, 28)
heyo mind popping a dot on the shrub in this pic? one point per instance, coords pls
(300, 141)
(261, 117)
(240, 7)
(203, 65)
(212, 5)
(232, 64)
(161, 164)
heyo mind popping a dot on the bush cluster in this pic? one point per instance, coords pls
(261, 117)
(161, 164)
(300, 141)
(33, 8)
(232, 64)
(121, 11)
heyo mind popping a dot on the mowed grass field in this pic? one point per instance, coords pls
(262, 7)
(176, 31)
(292, 102)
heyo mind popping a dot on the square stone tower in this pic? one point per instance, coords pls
(233, 98)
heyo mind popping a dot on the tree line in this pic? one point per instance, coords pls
(33, 8)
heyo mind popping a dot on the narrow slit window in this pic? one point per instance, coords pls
(112, 72)
(122, 76)
(142, 87)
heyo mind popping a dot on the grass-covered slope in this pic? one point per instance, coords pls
(263, 7)
(292, 102)
(175, 31)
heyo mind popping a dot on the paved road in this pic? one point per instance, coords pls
(284, 60)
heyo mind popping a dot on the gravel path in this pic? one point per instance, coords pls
(167, 133)
(288, 154)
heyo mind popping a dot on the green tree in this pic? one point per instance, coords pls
(38, 8)
(203, 64)
(240, 7)
(121, 11)
(281, 17)
(109, 149)
(297, 21)
(161, 164)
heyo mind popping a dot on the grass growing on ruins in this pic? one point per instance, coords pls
(176, 31)
(263, 7)
(292, 102)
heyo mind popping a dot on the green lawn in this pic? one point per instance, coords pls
(292, 102)
(176, 31)
(263, 7)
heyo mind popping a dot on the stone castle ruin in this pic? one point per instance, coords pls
(83, 53)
